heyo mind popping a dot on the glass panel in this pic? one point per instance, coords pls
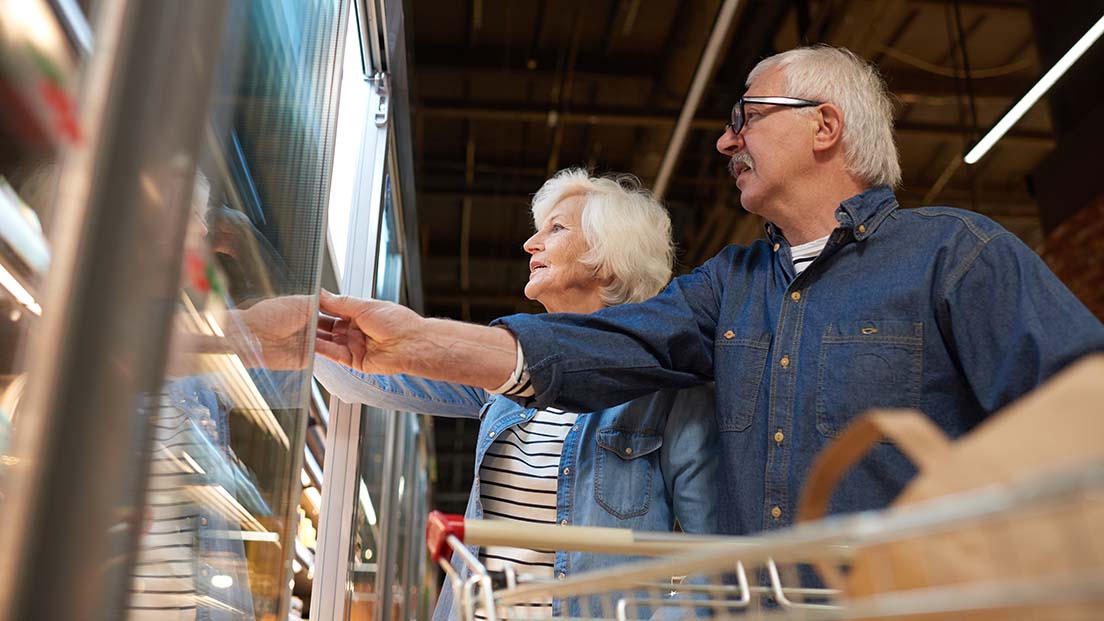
(38, 64)
(355, 97)
(366, 544)
(388, 464)
(225, 480)
(421, 583)
(389, 273)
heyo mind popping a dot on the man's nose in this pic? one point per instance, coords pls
(730, 142)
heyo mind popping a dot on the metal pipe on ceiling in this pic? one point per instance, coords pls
(702, 76)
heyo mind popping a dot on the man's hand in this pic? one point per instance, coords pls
(367, 335)
(272, 334)
(279, 327)
(385, 338)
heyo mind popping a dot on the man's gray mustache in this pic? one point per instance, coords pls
(740, 158)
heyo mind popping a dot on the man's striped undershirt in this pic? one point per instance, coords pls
(518, 481)
(804, 254)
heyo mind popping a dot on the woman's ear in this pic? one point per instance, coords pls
(829, 127)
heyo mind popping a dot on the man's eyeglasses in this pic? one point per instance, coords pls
(739, 117)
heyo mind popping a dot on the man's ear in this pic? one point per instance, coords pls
(829, 127)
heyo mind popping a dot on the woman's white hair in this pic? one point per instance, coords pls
(836, 75)
(627, 231)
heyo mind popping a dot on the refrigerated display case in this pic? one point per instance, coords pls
(165, 187)
(223, 532)
(158, 464)
(38, 68)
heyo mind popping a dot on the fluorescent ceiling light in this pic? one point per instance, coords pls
(366, 504)
(1037, 91)
(18, 291)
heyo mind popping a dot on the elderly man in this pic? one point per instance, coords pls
(849, 303)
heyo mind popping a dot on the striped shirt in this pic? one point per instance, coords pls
(162, 586)
(518, 481)
(804, 254)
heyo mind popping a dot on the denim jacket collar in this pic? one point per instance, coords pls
(860, 215)
(864, 212)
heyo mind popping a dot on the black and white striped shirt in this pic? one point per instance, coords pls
(804, 254)
(162, 586)
(518, 482)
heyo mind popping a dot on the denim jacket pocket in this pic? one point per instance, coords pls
(740, 357)
(626, 463)
(864, 365)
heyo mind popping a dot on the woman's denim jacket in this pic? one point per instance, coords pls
(670, 472)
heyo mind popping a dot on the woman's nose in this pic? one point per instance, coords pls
(533, 244)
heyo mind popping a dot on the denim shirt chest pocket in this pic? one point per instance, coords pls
(740, 357)
(626, 463)
(867, 364)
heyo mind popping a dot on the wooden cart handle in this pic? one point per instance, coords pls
(912, 432)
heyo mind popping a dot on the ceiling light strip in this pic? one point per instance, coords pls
(1036, 92)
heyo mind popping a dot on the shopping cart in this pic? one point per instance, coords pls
(779, 575)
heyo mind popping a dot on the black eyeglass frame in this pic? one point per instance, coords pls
(739, 117)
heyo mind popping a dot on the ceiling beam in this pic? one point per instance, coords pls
(1012, 7)
(542, 64)
(904, 83)
(621, 117)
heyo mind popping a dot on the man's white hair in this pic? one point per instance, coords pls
(836, 75)
(627, 231)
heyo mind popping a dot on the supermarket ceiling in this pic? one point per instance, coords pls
(508, 91)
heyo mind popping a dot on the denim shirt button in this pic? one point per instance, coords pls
(862, 228)
(777, 246)
(567, 470)
(729, 334)
(796, 296)
(491, 434)
(561, 576)
(785, 362)
(776, 512)
(563, 522)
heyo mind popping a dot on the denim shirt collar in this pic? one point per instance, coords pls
(860, 215)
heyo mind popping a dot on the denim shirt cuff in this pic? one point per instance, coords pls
(540, 358)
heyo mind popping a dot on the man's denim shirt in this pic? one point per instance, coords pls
(669, 473)
(936, 309)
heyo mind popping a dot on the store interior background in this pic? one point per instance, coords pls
(507, 92)
(486, 100)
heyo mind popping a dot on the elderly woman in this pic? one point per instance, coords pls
(640, 465)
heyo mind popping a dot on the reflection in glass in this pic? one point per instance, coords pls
(222, 519)
(366, 543)
(389, 265)
(38, 65)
